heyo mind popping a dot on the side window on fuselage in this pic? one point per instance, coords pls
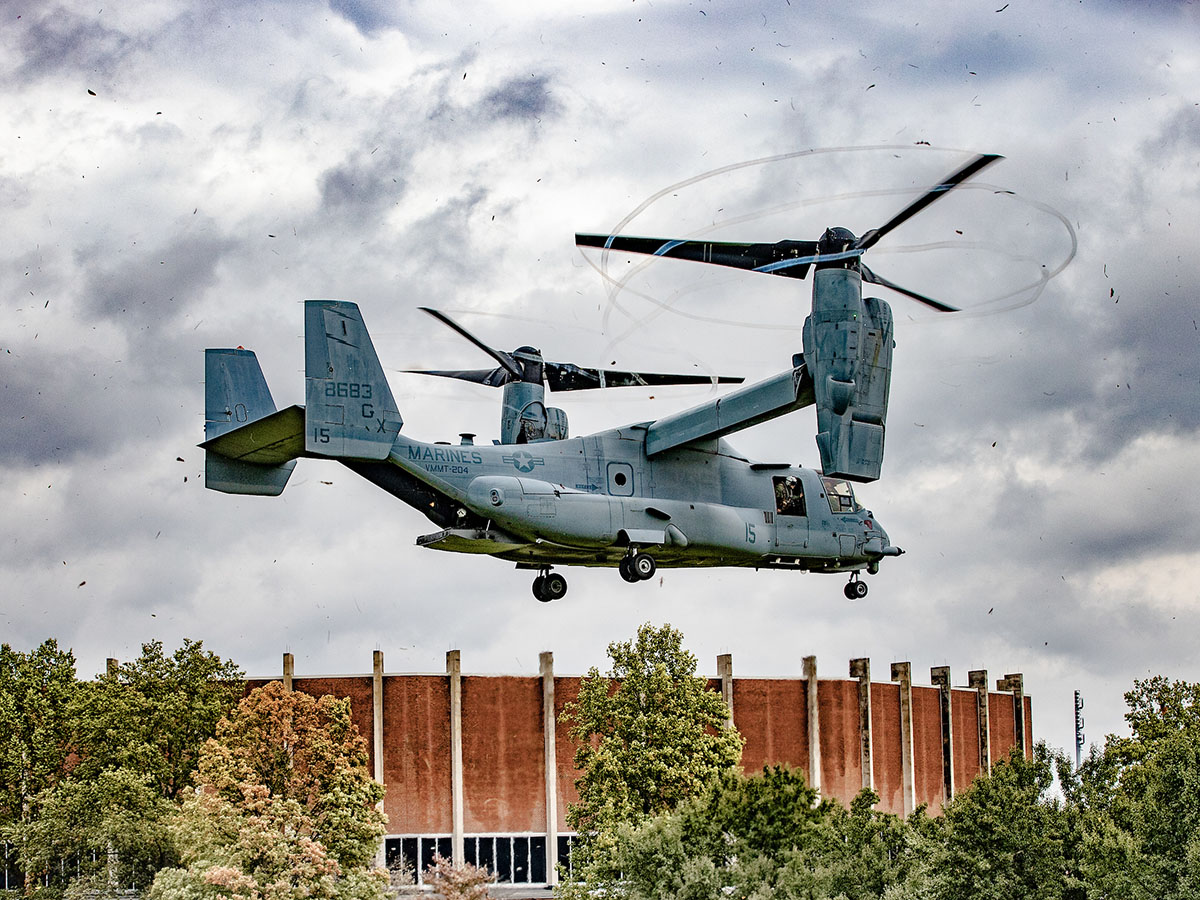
(789, 496)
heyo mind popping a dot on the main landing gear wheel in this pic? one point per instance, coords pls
(855, 590)
(549, 586)
(642, 565)
(638, 567)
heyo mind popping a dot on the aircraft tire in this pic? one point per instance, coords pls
(626, 572)
(855, 590)
(554, 587)
(539, 588)
(643, 566)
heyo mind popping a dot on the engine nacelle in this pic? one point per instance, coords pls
(525, 418)
(848, 349)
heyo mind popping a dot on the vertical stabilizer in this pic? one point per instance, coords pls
(235, 391)
(349, 408)
(236, 399)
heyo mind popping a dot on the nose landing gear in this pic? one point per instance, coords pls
(549, 586)
(856, 589)
(636, 567)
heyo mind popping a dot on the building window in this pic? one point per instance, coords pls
(11, 878)
(512, 858)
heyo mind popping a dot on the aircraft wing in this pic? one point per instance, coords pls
(776, 396)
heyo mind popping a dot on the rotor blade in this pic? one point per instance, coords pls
(872, 278)
(570, 377)
(787, 258)
(506, 361)
(491, 377)
(871, 238)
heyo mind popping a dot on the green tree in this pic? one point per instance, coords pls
(111, 830)
(1005, 836)
(650, 733)
(36, 691)
(767, 836)
(112, 752)
(771, 812)
(154, 714)
(1138, 801)
(737, 832)
(858, 853)
(36, 735)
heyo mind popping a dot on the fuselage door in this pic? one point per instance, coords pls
(791, 514)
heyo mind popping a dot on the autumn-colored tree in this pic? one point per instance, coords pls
(284, 807)
(260, 848)
(305, 749)
(458, 882)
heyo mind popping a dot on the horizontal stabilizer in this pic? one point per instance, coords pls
(270, 441)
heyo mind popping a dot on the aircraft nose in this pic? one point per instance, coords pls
(877, 543)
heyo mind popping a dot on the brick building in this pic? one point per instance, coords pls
(479, 767)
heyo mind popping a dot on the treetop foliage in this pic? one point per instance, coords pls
(153, 714)
(36, 725)
(649, 734)
(88, 769)
(284, 807)
(297, 747)
(1158, 709)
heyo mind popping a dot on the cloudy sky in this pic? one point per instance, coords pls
(178, 175)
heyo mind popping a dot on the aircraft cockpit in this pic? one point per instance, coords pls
(840, 495)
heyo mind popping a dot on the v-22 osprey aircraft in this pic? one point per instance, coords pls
(666, 493)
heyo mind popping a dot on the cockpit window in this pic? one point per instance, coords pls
(789, 496)
(841, 496)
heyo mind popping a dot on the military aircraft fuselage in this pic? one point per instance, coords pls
(588, 500)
